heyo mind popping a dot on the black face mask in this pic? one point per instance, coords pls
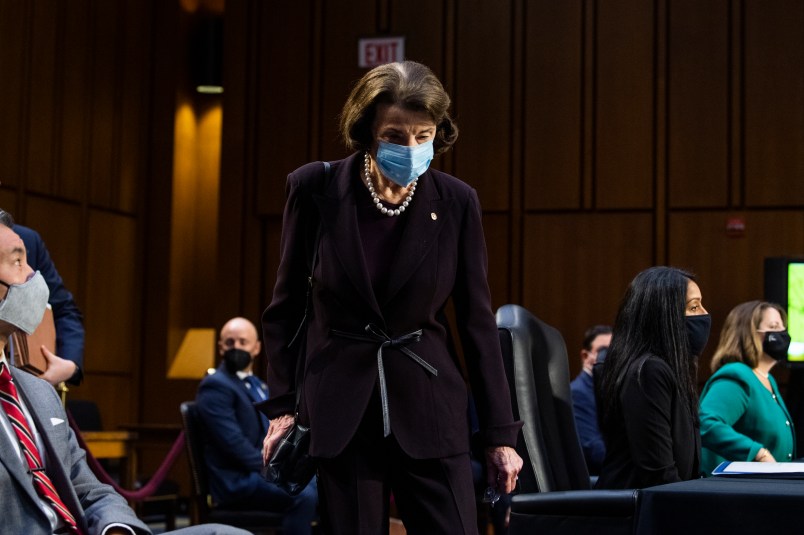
(698, 328)
(776, 344)
(236, 359)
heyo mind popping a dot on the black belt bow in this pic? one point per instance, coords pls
(375, 334)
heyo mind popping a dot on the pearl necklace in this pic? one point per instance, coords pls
(376, 199)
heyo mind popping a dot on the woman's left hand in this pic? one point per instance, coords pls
(504, 464)
(277, 429)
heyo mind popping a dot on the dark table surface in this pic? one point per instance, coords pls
(723, 505)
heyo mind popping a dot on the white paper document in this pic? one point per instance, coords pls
(791, 470)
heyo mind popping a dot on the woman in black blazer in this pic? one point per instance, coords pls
(383, 389)
(648, 400)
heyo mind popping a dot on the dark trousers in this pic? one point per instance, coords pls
(432, 496)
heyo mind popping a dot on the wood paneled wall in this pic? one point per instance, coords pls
(73, 153)
(602, 137)
(89, 97)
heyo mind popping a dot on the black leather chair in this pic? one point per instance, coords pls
(203, 508)
(555, 495)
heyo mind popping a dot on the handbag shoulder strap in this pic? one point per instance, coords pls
(311, 267)
(308, 306)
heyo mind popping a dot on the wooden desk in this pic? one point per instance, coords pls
(152, 443)
(124, 445)
(115, 445)
(162, 434)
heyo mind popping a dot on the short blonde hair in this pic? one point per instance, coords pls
(407, 84)
(740, 339)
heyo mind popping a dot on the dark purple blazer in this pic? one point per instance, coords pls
(442, 254)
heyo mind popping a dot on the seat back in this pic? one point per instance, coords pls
(258, 521)
(537, 367)
(195, 454)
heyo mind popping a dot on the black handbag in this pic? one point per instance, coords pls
(291, 467)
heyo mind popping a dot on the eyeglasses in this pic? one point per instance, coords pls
(491, 496)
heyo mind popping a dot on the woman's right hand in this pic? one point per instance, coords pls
(277, 429)
(764, 456)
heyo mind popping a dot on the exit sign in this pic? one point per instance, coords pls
(375, 51)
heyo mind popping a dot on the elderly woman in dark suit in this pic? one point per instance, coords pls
(383, 389)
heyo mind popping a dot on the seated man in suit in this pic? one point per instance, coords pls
(595, 340)
(65, 364)
(234, 432)
(46, 486)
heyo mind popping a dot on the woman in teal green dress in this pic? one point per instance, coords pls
(743, 416)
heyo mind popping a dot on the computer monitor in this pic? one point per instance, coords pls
(784, 285)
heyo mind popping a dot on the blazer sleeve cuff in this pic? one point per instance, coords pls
(275, 407)
(503, 435)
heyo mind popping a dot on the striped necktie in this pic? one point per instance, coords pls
(10, 401)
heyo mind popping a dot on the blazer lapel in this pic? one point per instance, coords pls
(55, 469)
(338, 210)
(52, 460)
(241, 390)
(427, 214)
(13, 463)
(238, 385)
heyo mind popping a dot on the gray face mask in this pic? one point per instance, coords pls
(25, 304)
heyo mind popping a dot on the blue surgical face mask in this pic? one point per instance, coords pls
(403, 164)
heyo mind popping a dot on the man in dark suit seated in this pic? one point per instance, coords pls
(46, 486)
(595, 340)
(234, 432)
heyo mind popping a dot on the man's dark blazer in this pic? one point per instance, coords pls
(66, 315)
(233, 436)
(441, 255)
(584, 406)
(94, 504)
